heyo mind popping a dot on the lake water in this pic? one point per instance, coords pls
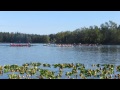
(48, 54)
(104, 54)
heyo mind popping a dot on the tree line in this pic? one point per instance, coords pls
(23, 38)
(107, 33)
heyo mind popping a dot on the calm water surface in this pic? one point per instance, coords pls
(48, 54)
(88, 55)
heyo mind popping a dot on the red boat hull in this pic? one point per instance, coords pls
(19, 45)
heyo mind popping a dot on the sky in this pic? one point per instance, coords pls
(52, 22)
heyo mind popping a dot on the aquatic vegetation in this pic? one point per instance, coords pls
(60, 71)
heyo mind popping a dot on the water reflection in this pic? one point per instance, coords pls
(46, 54)
(110, 54)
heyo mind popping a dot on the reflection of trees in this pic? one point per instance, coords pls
(108, 49)
(109, 54)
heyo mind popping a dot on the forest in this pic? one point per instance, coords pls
(106, 33)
